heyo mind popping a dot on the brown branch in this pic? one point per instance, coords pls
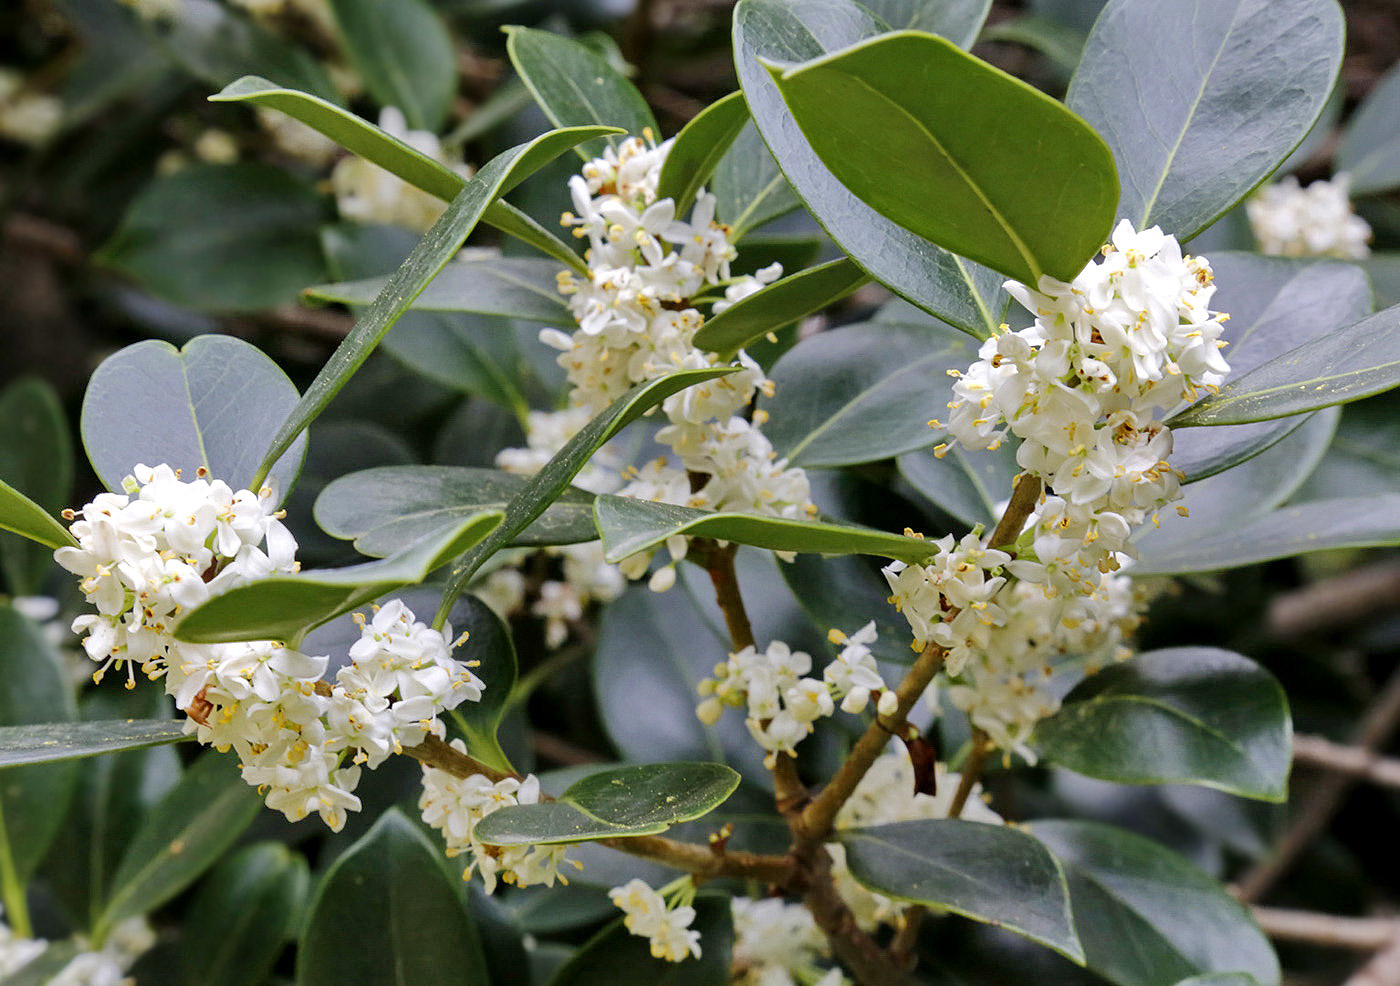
(1361, 934)
(1340, 601)
(1382, 970)
(1374, 729)
(434, 752)
(971, 771)
(1365, 765)
(860, 953)
(1023, 501)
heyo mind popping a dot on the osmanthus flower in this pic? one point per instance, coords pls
(127, 941)
(1317, 221)
(667, 926)
(366, 192)
(777, 943)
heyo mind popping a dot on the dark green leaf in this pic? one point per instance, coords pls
(1364, 456)
(577, 87)
(243, 915)
(388, 508)
(222, 237)
(389, 914)
(216, 404)
(627, 801)
(965, 294)
(864, 392)
(1370, 148)
(490, 643)
(1174, 87)
(514, 287)
(629, 525)
(947, 118)
(749, 189)
(182, 836)
(698, 149)
(36, 455)
(615, 955)
(54, 741)
(1185, 715)
(283, 607)
(969, 485)
(218, 44)
(842, 590)
(1147, 917)
(404, 54)
(438, 246)
(779, 304)
(1061, 44)
(990, 873)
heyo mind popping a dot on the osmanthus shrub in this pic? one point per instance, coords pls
(1090, 404)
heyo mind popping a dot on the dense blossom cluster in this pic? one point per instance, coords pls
(105, 966)
(1292, 221)
(779, 944)
(152, 554)
(454, 806)
(647, 915)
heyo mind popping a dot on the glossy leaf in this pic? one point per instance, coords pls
(218, 44)
(182, 836)
(779, 304)
(1370, 148)
(629, 525)
(960, 21)
(628, 801)
(554, 477)
(787, 31)
(489, 642)
(1147, 917)
(33, 799)
(698, 149)
(990, 873)
(36, 456)
(388, 913)
(947, 118)
(968, 484)
(841, 590)
(387, 509)
(513, 287)
(1174, 87)
(1184, 715)
(216, 403)
(243, 915)
(404, 54)
(1357, 361)
(577, 87)
(615, 955)
(749, 188)
(222, 237)
(283, 607)
(438, 246)
(393, 155)
(51, 742)
(863, 392)
(1364, 456)
(1318, 525)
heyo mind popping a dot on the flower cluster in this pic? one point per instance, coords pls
(454, 806)
(779, 944)
(647, 916)
(1317, 221)
(107, 966)
(367, 193)
(27, 115)
(148, 556)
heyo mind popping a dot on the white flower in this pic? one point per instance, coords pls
(647, 916)
(366, 192)
(776, 943)
(1316, 221)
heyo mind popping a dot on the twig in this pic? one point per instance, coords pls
(1365, 765)
(1362, 934)
(560, 750)
(857, 950)
(434, 752)
(1336, 602)
(1382, 970)
(971, 771)
(1023, 501)
(1374, 729)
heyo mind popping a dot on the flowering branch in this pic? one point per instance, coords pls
(971, 771)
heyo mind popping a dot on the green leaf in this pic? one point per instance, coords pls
(549, 483)
(1364, 457)
(968, 484)
(1370, 148)
(222, 237)
(393, 155)
(404, 54)
(1061, 44)
(842, 590)
(489, 643)
(960, 21)
(629, 525)
(388, 508)
(576, 86)
(438, 246)
(863, 392)
(388, 913)
(36, 455)
(33, 799)
(779, 304)
(283, 607)
(947, 118)
(615, 955)
(51, 742)
(216, 404)
(514, 287)
(181, 837)
(217, 44)
(990, 873)
(1355, 362)
(1318, 525)
(698, 149)
(749, 188)
(1173, 86)
(243, 915)
(1221, 979)
(1184, 715)
(1147, 917)
(962, 293)
(641, 800)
